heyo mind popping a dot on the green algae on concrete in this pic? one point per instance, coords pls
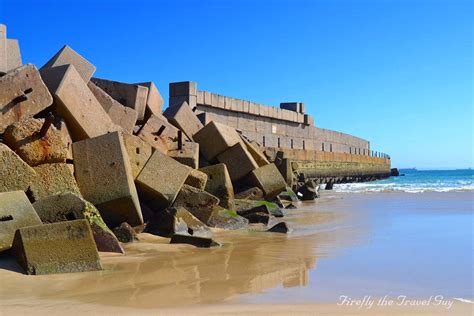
(56, 248)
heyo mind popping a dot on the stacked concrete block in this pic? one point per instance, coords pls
(67, 56)
(122, 116)
(180, 92)
(197, 179)
(257, 155)
(16, 212)
(219, 184)
(22, 94)
(10, 57)
(198, 202)
(138, 152)
(51, 179)
(183, 118)
(154, 101)
(35, 149)
(269, 179)
(15, 174)
(105, 178)
(161, 180)
(76, 103)
(187, 155)
(56, 248)
(158, 132)
(215, 138)
(238, 160)
(130, 95)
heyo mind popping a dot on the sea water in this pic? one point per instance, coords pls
(415, 181)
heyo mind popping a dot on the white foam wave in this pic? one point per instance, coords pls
(409, 188)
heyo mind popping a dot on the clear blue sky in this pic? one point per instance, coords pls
(398, 73)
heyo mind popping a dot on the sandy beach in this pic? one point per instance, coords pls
(373, 247)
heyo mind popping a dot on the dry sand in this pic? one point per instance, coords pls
(252, 273)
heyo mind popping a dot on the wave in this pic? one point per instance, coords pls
(409, 188)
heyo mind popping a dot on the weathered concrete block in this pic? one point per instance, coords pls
(68, 56)
(282, 228)
(15, 174)
(257, 155)
(188, 154)
(197, 202)
(51, 179)
(125, 233)
(254, 193)
(56, 248)
(75, 102)
(174, 220)
(68, 206)
(183, 118)
(219, 184)
(238, 160)
(25, 139)
(122, 116)
(161, 180)
(258, 214)
(197, 179)
(158, 133)
(138, 152)
(215, 138)
(154, 101)
(22, 93)
(131, 95)
(226, 219)
(15, 212)
(182, 88)
(269, 179)
(104, 175)
(201, 242)
(13, 54)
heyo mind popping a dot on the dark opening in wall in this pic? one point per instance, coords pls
(359, 151)
(291, 144)
(330, 147)
(264, 141)
(350, 150)
(279, 142)
(322, 146)
(304, 145)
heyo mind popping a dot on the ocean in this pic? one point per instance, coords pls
(416, 181)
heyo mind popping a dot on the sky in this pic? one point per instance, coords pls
(398, 73)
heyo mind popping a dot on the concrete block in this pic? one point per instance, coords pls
(219, 184)
(198, 241)
(198, 202)
(197, 179)
(154, 101)
(15, 212)
(207, 98)
(15, 174)
(22, 94)
(157, 183)
(131, 95)
(13, 54)
(215, 138)
(183, 88)
(56, 248)
(256, 153)
(200, 97)
(238, 160)
(158, 132)
(68, 56)
(76, 103)
(269, 179)
(190, 99)
(226, 219)
(183, 118)
(67, 207)
(25, 139)
(122, 116)
(104, 175)
(51, 179)
(188, 154)
(138, 152)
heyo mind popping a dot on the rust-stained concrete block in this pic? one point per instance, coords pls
(238, 160)
(161, 180)
(52, 178)
(197, 179)
(15, 212)
(104, 175)
(24, 138)
(219, 184)
(122, 116)
(76, 104)
(188, 154)
(131, 95)
(269, 179)
(184, 118)
(68, 56)
(154, 101)
(22, 93)
(67, 207)
(158, 133)
(138, 152)
(215, 138)
(56, 248)
(15, 174)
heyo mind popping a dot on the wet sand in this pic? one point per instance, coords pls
(354, 245)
